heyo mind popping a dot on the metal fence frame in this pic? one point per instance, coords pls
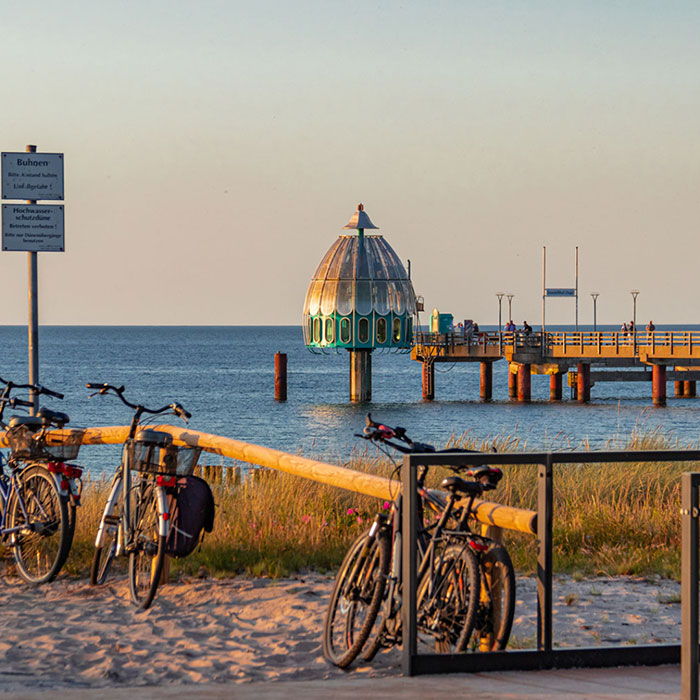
(545, 656)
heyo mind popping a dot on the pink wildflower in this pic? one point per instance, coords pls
(305, 518)
(352, 511)
(387, 505)
(359, 519)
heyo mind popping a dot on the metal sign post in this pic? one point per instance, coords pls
(558, 291)
(32, 228)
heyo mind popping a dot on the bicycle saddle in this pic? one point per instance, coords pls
(455, 484)
(158, 438)
(53, 417)
(31, 422)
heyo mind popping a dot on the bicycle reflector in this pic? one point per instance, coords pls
(55, 467)
(71, 471)
(166, 480)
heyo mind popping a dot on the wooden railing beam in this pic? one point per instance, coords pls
(485, 512)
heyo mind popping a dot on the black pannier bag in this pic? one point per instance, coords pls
(191, 511)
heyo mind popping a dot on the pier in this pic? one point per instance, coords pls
(584, 357)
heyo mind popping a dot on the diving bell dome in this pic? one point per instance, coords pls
(360, 296)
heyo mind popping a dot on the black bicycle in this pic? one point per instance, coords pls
(466, 589)
(39, 492)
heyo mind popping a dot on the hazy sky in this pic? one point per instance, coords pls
(214, 151)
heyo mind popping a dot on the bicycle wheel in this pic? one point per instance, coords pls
(147, 548)
(104, 555)
(356, 597)
(448, 598)
(497, 605)
(40, 545)
(110, 523)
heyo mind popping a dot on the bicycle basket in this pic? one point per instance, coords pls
(63, 444)
(187, 458)
(20, 438)
(152, 451)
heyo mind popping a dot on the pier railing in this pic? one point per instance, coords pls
(670, 344)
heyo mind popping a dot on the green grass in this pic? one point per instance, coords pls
(608, 519)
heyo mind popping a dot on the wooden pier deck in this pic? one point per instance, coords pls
(659, 357)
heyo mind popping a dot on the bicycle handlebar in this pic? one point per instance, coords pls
(37, 388)
(105, 388)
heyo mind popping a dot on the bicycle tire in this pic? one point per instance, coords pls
(103, 557)
(351, 605)
(147, 549)
(41, 547)
(495, 565)
(446, 610)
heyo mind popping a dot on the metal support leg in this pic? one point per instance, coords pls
(689, 586)
(544, 554)
(410, 530)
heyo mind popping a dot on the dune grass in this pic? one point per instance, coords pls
(610, 519)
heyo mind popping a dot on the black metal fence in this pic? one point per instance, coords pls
(545, 656)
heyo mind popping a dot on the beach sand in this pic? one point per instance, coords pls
(71, 635)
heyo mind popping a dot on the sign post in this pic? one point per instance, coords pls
(31, 227)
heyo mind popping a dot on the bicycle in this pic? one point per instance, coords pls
(136, 518)
(454, 564)
(39, 495)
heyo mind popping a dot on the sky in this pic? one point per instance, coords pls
(214, 151)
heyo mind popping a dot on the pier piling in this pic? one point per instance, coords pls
(658, 385)
(524, 383)
(583, 381)
(512, 384)
(555, 386)
(428, 381)
(486, 381)
(689, 389)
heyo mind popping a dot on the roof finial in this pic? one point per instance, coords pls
(359, 220)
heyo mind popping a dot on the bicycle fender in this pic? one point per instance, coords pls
(58, 478)
(163, 512)
(110, 508)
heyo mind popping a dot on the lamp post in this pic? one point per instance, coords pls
(500, 296)
(594, 296)
(510, 303)
(635, 294)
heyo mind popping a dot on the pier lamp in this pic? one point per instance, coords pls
(635, 294)
(510, 303)
(500, 296)
(594, 296)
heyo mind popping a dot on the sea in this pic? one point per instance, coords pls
(225, 377)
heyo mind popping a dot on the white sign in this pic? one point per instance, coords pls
(33, 227)
(561, 292)
(32, 175)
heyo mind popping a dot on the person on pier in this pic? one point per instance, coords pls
(624, 330)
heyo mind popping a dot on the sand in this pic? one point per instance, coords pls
(71, 635)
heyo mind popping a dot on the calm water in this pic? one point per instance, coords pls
(225, 377)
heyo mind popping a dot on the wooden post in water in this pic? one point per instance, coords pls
(555, 385)
(658, 385)
(679, 389)
(524, 383)
(280, 376)
(486, 381)
(689, 389)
